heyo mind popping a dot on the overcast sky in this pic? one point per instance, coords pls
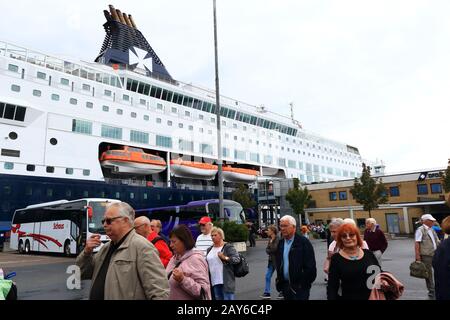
(372, 74)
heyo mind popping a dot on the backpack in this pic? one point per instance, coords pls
(241, 269)
(156, 239)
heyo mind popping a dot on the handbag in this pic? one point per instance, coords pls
(417, 269)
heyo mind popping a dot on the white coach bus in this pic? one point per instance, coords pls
(58, 227)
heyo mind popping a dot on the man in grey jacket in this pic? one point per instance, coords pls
(126, 268)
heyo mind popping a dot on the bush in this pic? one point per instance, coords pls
(234, 232)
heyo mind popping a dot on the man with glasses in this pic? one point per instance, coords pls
(295, 262)
(204, 240)
(142, 227)
(127, 267)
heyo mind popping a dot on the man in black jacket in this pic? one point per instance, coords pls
(296, 263)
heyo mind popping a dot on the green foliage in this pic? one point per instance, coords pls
(298, 199)
(446, 178)
(233, 231)
(369, 192)
(243, 196)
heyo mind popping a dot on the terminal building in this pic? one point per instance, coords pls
(410, 195)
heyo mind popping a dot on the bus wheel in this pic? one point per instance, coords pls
(67, 252)
(27, 247)
(20, 248)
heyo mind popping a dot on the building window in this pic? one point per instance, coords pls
(342, 195)
(81, 126)
(119, 112)
(15, 88)
(41, 75)
(140, 137)
(13, 68)
(65, 81)
(73, 101)
(89, 105)
(31, 167)
(422, 189)
(69, 171)
(332, 196)
(55, 97)
(111, 132)
(394, 191)
(436, 188)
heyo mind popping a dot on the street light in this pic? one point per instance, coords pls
(219, 133)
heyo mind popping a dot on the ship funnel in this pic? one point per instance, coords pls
(127, 21)
(132, 21)
(120, 15)
(114, 13)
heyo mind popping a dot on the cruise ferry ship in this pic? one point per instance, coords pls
(121, 127)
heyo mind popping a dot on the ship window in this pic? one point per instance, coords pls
(213, 120)
(69, 171)
(240, 154)
(126, 97)
(86, 87)
(158, 120)
(10, 153)
(55, 97)
(105, 108)
(8, 165)
(209, 131)
(13, 68)
(200, 130)
(117, 195)
(145, 196)
(29, 191)
(12, 135)
(86, 172)
(111, 132)
(41, 75)
(81, 126)
(143, 102)
(133, 115)
(85, 194)
(15, 88)
(9, 111)
(169, 123)
(131, 195)
(159, 106)
(108, 93)
(140, 137)
(158, 196)
(174, 110)
(180, 125)
(64, 81)
(191, 128)
(49, 192)
(53, 141)
(73, 101)
(146, 89)
(119, 111)
(146, 117)
(200, 116)
(89, 105)
(185, 145)
(50, 169)
(163, 141)
(187, 113)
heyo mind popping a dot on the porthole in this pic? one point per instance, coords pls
(53, 141)
(13, 135)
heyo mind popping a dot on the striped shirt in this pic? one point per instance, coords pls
(203, 243)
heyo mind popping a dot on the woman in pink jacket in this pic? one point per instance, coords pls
(187, 271)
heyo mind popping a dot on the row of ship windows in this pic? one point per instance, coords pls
(90, 105)
(48, 169)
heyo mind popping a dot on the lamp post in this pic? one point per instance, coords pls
(219, 133)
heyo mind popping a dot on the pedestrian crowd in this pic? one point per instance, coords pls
(140, 262)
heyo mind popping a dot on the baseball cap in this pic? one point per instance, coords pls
(204, 220)
(427, 217)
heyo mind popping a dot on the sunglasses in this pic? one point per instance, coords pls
(347, 235)
(110, 220)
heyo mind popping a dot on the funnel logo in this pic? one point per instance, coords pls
(140, 58)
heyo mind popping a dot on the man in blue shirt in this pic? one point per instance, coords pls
(296, 263)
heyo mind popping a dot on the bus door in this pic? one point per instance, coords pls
(37, 225)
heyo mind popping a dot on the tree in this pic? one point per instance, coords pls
(446, 178)
(299, 199)
(243, 195)
(368, 191)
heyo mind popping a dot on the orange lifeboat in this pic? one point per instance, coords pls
(132, 161)
(239, 174)
(192, 169)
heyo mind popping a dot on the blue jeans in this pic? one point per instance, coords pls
(269, 274)
(219, 294)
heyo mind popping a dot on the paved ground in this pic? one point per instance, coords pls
(44, 277)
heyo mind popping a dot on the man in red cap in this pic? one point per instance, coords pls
(204, 240)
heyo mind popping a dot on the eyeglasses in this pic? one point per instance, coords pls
(348, 235)
(110, 220)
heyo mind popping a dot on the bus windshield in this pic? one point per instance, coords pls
(98, 210)
(233, 211)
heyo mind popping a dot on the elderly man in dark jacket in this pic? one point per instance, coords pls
(441, 265)
(296, 263)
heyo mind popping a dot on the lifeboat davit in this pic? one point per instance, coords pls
(133, 161)
(193, 170)
(231, 174)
